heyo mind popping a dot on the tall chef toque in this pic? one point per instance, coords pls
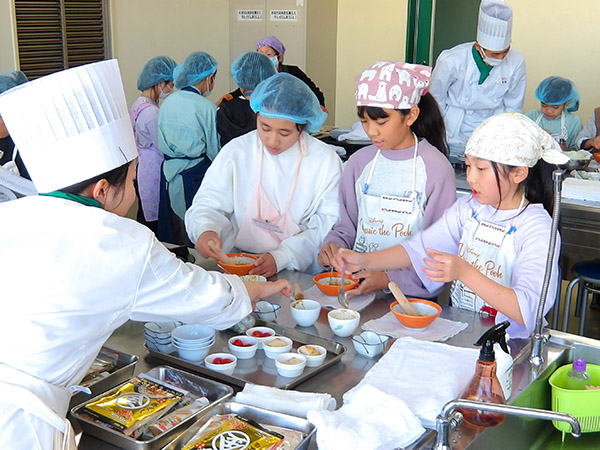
(494, 27)
(70, 126)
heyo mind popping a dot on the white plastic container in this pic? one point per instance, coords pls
(504, 370)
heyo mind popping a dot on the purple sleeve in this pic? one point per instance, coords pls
(343, 232)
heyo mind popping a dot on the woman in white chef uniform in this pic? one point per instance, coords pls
(475, 80)
(272, 191)
(73, 268)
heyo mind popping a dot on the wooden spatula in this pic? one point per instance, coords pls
(402, 300)
(222, 256)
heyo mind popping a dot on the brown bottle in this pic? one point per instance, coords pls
(485, 386)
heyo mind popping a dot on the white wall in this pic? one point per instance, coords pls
(7, 37)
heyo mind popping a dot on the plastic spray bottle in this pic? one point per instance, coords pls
(485, 386)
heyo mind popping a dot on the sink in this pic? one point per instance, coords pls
(533, 434)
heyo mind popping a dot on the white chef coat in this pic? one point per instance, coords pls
(221, 201)
(71, 274)
(464, 102)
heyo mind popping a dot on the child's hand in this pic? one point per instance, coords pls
(202, 244)
(351, 259)
(444, 267)
(326, 254)
(258, 289)
(373, 280)
(265, 265)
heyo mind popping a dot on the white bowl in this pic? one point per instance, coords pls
(343, 322)
(313, 360)
(290, 370)
(160, 330)
(157, 340)
(253, 278)
(163, 348)
(272, 352)
(243, 352)
(193, 333)
(227, 368)
(369, 343)
(194, 355)
(305, 312)
(192, 344)
(260, 340)
(266, 310)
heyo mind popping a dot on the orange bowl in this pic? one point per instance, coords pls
(322, 282)
(596, 156)
(239, 269)
(430, 309)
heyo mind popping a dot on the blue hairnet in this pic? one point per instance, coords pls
(9, 80)
(557, 91)
(250, 68)
(159, 68)
(196, 67)
(283, 96)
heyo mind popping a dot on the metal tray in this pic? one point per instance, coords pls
(214, 391)
(262, 416)
(122, 371)
(260, 369)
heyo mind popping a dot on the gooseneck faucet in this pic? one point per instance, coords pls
(445, 420)
(536, 357)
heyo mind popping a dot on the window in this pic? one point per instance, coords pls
(53, 35)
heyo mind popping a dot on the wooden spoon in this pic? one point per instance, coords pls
(299, 294)
(402, 300)
(222, 256)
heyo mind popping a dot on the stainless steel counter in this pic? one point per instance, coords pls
(337, 379)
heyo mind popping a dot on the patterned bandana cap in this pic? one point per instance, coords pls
(514, 140)
(392, 85)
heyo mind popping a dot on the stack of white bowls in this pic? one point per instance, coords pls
(158, 336)
(193, 341)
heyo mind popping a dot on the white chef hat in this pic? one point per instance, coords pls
(70, 126)
(494, 28)
(515, 140)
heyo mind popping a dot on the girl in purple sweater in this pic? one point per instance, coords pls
(400, 184)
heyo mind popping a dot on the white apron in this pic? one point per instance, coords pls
(490, 248)
(263, 227)
(42, 409)
(561, 137)
(386, 220)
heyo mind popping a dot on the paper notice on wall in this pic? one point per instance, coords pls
(284, 14)
(250, 14)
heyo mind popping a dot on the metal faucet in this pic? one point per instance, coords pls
(536, 357)
(445, 420)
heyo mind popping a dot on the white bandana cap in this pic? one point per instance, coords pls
(514, 140)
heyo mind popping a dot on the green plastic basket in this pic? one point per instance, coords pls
(584, 405)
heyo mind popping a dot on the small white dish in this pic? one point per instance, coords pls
(253, 278)
(305, 312)
(343, 322)
(286, 368)
(313, 360)
(226, 368)
(266, 310)
(269, 332)
(369, 343)
(247, 351)
(271, 351)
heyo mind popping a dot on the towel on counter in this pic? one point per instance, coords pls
(357, 303)
(426, 375)
(356, 133)
(440, 330)
(294, 403)
(373, 420)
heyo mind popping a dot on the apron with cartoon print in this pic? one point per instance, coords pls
(490, 248)
(263, 227)
(387, 220)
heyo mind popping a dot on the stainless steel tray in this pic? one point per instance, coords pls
(214, 391)
(260, 369)
(122, 371)
(262, 416)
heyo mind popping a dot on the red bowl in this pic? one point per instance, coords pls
(596, 156)
(238, 269)
(418, 322)
(322, 282)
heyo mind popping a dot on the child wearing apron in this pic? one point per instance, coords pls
(492, 244)
(401, 184)
(273, 191)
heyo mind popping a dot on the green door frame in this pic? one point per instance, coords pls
(418, 31)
